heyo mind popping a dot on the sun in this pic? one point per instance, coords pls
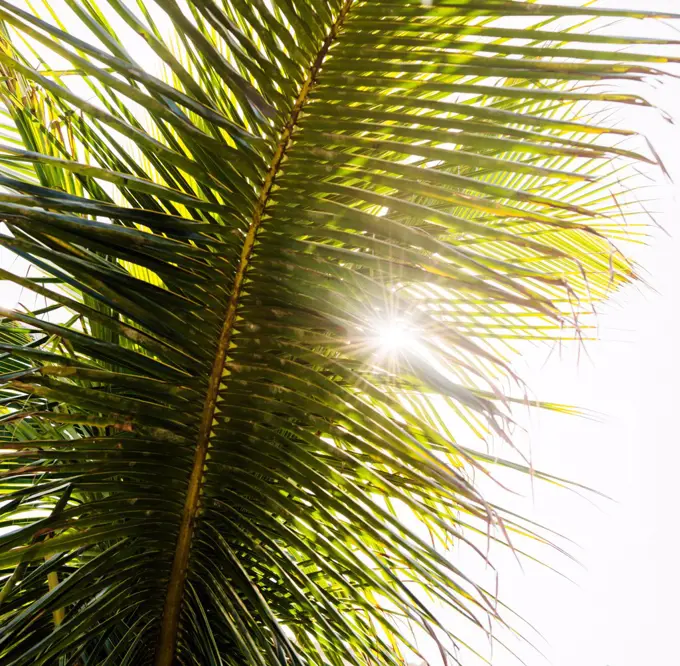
(394, 335)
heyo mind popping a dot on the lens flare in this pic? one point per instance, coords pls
(394, 335)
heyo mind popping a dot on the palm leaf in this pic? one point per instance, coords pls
(210, 456)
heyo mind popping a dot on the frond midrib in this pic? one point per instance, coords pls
(167, 642)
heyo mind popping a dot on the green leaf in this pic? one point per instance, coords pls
(211, 449)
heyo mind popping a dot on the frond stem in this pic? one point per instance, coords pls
(165, 653)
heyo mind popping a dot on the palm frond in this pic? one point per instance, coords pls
(211, 454)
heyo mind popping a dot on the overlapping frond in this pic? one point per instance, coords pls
(210, 454)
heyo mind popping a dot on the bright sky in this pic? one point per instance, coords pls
(621, 609)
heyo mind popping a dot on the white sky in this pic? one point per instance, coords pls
(621, 611)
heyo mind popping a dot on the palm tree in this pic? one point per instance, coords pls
(282, 254)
